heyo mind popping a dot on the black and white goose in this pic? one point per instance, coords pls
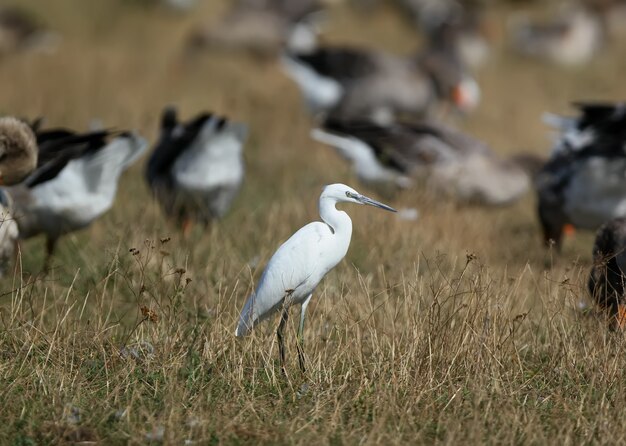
(583, 184)
(352, 82)
(196, 169)
(448, 160)
(75, 181)
(608, 273)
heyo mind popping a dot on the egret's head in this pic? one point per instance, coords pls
(345, 194)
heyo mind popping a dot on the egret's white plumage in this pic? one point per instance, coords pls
(299, 264)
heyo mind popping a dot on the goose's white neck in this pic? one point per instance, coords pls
(338, 221)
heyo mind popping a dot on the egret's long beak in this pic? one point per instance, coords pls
(366, 200)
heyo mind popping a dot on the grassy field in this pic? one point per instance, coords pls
(456, 329)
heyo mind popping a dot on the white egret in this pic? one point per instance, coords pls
(299, 264)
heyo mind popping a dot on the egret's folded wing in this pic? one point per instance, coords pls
(289, 268)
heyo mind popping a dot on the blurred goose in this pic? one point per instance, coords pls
(572, 39)
(75, 181)
(19, 31)
(612, 13)
(583, 182)
(176, 6)
(446, 159)
(18, 157)
(352, 82)
(262, 28)
(461, 24)
(608, 273)
(196, 168)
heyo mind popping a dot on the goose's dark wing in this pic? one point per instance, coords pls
(50, 135)
(383, 140)
(404, 146)
(173, 143)
(340, 63)
(605, 119)
(54, 154)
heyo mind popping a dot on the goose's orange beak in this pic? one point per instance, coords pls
(621, 317)
(460, 97)
(569, 230)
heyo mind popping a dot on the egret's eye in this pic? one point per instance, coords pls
(349, 194)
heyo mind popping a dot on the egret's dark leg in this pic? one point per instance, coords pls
(300, 341)
(281, 341)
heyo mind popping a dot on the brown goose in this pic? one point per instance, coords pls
(18, 151)
(18, 157)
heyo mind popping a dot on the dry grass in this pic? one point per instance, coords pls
(457, 328)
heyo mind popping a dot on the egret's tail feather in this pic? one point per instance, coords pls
(246, 320)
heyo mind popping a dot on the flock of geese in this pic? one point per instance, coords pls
(56, 181)
(377, 109)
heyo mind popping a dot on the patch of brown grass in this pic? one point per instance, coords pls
(457, 328)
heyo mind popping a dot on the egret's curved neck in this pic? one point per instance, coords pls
(336, 219)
